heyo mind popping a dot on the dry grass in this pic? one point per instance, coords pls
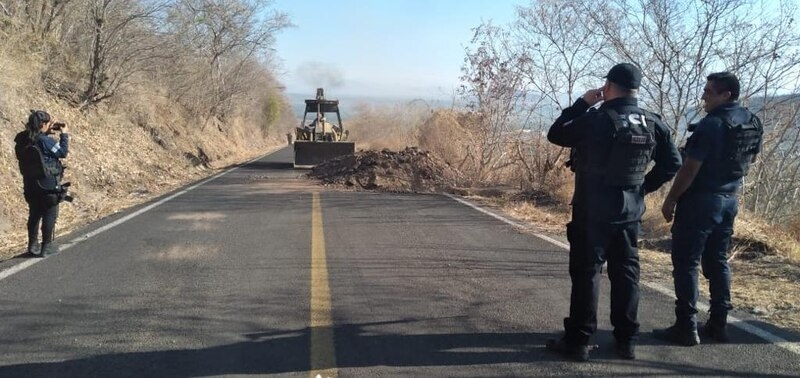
(541, 211)
(767, 288)
(445, 134)
(758, 238)
(391, 127)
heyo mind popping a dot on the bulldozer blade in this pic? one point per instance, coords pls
(307, 154)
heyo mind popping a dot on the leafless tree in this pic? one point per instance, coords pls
(679, 42)
(673, 42)
(562, 51)
(767, 58)
(773, 186)
(564, 59)
(521, 76)
(492, 82)
(212, 56)
(121, 44)
(228, 35)
(36, 16)
(560, 45)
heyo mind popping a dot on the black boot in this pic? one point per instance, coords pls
(677, 335)
(577, 352)
(49, 249)
(33, 249)
(625, 350)
(716, 328)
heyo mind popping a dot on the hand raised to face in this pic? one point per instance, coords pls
(593, 96)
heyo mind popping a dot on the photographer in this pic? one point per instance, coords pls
(39, 157)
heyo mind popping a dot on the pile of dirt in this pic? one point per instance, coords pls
(409, 170)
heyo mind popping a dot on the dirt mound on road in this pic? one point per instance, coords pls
(409, 170)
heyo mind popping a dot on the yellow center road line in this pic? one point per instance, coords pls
(323, 353)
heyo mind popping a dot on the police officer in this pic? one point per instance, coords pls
(704, 203)
(39, 162)
(613, 146)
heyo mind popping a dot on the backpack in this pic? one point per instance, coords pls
(29, 157)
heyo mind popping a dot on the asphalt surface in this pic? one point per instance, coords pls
(218, 281)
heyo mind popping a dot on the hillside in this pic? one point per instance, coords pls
(156, 94)
(123, 151)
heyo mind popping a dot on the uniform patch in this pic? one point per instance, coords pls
(636, 119)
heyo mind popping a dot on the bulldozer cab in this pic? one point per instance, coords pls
(317, 139)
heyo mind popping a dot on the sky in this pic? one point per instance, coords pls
(380, 48)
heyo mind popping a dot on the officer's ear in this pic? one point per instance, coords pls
(727, 95)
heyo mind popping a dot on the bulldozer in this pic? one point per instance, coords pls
(320, 140)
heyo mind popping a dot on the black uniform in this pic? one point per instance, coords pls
(610, 161)
(705, 213)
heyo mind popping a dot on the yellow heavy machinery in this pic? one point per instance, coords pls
(320, 140)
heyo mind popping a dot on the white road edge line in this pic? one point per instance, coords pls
(65, 246)
(18, 267)
(793, 347)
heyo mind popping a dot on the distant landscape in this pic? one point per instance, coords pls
(349, 104)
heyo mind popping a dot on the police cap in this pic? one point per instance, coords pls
(625, 75)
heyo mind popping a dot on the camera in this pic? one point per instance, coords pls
(57, 126)
(59, 194)
(63, 194)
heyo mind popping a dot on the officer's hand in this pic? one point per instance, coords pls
(593, 96)
(668, 209)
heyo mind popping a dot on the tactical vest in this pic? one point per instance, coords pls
(631, 150)
(742, 143)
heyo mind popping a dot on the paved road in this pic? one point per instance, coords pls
(259, 272)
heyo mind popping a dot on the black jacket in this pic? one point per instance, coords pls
(706, 144)
(590, 133)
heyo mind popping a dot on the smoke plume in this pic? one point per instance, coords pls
(320, 74)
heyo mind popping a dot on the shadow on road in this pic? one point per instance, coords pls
(288, 352)
(261, 164)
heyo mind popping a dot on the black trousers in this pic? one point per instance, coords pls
(41, 209)
(701, 237)
(592, 244)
